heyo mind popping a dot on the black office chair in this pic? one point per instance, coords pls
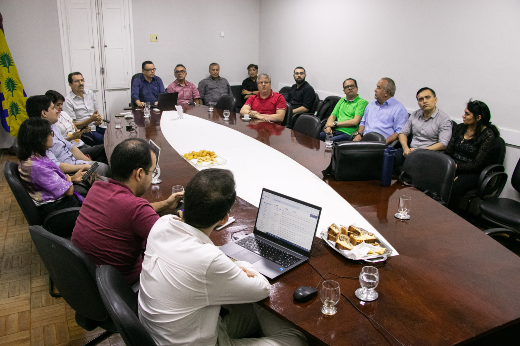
(288, 114)
(26, 203)
(226, 102)
(430, 170)
(315, 104)
(373, 137)
(309, 125)
(131, 83)
(121, 303)
(508, 237)
(75, 277)
(311, 111)
(236, 90)
(285, 91)
(504, 211)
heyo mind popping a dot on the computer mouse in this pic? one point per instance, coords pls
(304, 293)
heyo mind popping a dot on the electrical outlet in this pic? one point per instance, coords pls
(154, 38)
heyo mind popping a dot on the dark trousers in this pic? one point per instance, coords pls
(97, 152)
(94, 137)
(464, 183)
(337, 136)
(61, 225)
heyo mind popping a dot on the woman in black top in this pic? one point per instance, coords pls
(471, 147)
(249, 87)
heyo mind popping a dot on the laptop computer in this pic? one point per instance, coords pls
(167, 101)
(282, 238)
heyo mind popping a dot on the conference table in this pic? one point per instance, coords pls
(450, 284)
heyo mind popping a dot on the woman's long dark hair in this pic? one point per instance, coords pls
(480, 108)
(32, 136)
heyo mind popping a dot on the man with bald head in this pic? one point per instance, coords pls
(385, 115)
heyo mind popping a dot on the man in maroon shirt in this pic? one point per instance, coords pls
(114, 221)
(266, 105)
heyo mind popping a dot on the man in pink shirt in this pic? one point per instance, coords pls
(266, 105)
(188, 92)
(114, 221)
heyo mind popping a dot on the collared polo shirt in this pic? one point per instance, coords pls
(60, 152)
(211, 90)
(145, 91)
(187, 93)
(385, 119)
(302, 96)
(249, 85)
(426, 132)
(112, 227)
(269, 105)
(346, 110)
(80, 108)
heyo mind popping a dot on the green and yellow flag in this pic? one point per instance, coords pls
(12, 94)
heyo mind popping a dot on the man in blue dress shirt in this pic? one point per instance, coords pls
(147, 87)
(384, 115)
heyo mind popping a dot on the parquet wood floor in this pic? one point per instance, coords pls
(28, 314)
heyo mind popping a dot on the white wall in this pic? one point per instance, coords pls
(189, 33)
(462, 49)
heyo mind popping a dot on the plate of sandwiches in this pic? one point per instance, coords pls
(356, 243)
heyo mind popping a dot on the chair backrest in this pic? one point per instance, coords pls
(498, 154)
(288, 115)
(72, 272)
(29, 209)
(315, 104)
(236, 90)
(358, 160)
(309, 125)
(132, 83)
(327, 106)
(373, 137)
(121, 303)
(515, 178)
(431, 170)
(285, 91)
(226, 102)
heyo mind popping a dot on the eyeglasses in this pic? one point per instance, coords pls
(179, 72)
(151, 70)
(299, 73)
(351, 86)
(264, 83)
(52, 133)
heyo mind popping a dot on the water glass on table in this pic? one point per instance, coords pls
(403, 208)
(147, 109)
(368, 278)
(328, 140)
(211, 105)
(118, 123)
(329, 295)
(226, 114)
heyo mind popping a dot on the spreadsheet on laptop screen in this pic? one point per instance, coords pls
(287, 220)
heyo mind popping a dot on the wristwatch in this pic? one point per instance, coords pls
(335, 124)
(356, 133)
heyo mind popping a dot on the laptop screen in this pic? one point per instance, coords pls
(288, 219)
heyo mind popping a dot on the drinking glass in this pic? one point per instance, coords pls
(177, 188)
(369, 278)
(226, 114)
(118, 123)
(328, 140)
(329, 295)
(403, 208)
(211, 105)
(147, 109)
(156, 174)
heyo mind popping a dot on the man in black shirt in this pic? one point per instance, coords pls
(302, 94)
(249, 86)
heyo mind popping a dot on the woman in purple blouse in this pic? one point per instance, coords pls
(50, 188)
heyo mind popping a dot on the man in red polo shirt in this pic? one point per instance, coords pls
(266, 105)
(114, 221)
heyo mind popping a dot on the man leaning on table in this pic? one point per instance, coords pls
(186, 279)
(114, 221)
(147, 86)
(267, 105)
(385, 115)
(188, 92)
(214, 86)
(346, 116)
(429, 126)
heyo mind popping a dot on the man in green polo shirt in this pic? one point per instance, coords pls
(346, 116)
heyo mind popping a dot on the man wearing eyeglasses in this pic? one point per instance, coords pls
(147, 87)
(188, 92)
(266, 105)
(214, 86)
(346, 116)
(302, 95)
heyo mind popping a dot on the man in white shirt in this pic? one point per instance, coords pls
(81, 105)
(185, 279)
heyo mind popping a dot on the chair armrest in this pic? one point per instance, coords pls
(501, 180)
(488, 170)
(59, 212)
(508, 231)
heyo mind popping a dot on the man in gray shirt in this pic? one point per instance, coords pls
(213, 87)
(429, 126)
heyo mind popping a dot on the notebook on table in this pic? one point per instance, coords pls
(167, 101)
(282, 237)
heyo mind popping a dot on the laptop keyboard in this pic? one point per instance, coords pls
(267, 251)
